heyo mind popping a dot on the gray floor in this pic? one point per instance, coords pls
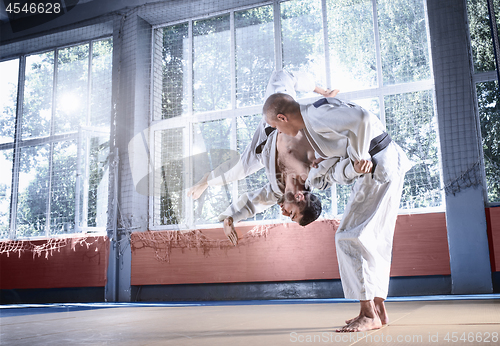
(446, 320)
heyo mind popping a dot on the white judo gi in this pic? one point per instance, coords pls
(342, 132)
(250, 161)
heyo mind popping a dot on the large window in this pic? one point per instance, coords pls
(214, 71)
(487, 89)
(54, 141)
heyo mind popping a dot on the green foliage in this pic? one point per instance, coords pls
(489, 112)
(403, 41)
(480, 34)
(302, 35)
(216, 135)
(72, 88)
(37, 107)
(411, 123)
(353, 66)
(173, 65)
(171, 201)
(254, 54)
(211, 64)
(47, 185)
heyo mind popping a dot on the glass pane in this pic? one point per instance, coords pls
(100, 98)
(245, 129)
(343, 193)
(33, 191)
(480, 34)
(303, 40)
(9, 70)
(169, 178)
(96, 187)
(38, 86)
(352, 44)
(174, 65)
(212, 64)
(72, 88)
(5, 191)
(210, 137)
(254, 54)
(371, 104)
(403, 41)
(92, 180)
(489, 114)
(412, 124)
(62, 197)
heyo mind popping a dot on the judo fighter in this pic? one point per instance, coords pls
(352, 146)
(286, 159)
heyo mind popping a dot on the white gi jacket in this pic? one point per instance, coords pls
(342, 132)
(250, 161)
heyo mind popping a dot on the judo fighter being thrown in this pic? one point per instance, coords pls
(349, 141)
(287, 161)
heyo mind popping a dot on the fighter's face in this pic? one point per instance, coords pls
(290, 207)
(283, 125)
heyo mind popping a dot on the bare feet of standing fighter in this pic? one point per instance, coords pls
(371, 316)
(379, 308)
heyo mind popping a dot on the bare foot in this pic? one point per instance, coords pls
(368, 319)
(381, 311)
(349, 321)
(229, 230)
(361, 324)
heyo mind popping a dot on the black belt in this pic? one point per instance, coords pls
(260, 147)
(378, 144)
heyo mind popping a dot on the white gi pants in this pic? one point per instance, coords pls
(364, 237)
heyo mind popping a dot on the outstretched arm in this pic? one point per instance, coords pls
(197, 190)
(326, 92)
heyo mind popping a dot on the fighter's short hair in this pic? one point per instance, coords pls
(312, 208)
(279, 103)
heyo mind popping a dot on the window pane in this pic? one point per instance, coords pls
(169, 178)
(412, 124)
(303, 41)
(95, 188)
(33, 191)
(72, 88)
(212, 64)
(5, 191)
(480, 34)
(102, 63)
(9, 70)
(254, 54)
(246, 128)
(62, 201)
(403, 41)
(38, 86)
(211, 137)
(352, 44)
(174, 64)
(489, 114)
